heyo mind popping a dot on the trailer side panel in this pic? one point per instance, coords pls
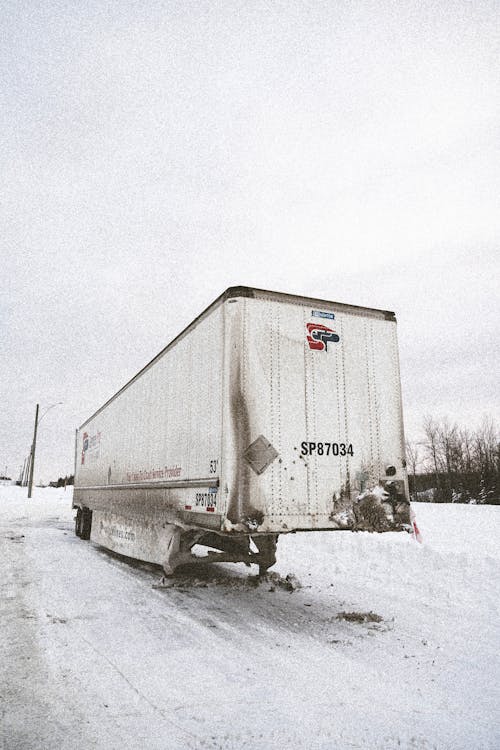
(155, 450)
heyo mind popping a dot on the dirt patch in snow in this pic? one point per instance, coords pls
(360, 617)
(288, 582)
(208, 576)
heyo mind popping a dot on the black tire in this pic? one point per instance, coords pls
(78, 522)
(86, 525)
(83, 523)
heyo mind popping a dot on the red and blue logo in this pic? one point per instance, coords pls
(319, 336)
(90, 445)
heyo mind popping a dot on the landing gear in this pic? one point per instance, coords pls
(266, 546)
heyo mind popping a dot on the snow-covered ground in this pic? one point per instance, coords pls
(388, 644)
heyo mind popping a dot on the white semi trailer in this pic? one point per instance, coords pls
(269, 414)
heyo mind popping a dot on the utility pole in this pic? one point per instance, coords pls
(32, 463)
(33, 447)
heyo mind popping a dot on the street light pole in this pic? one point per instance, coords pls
(32, 454)
(33, 446)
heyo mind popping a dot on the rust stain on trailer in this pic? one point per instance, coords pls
(240, 424)
(240, 509)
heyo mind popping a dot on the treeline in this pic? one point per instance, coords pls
(63, 481)
(455, 464)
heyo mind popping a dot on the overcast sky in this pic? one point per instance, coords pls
(154, 153)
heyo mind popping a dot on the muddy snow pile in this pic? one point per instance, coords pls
(353, 640)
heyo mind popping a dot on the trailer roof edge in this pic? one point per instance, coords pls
(246, 291)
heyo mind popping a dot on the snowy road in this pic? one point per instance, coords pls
(388, 644)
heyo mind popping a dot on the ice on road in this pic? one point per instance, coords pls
(387, 644)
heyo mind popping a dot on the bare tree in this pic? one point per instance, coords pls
(465, 464)
(431, 431)
(486, 459)
(412, 460)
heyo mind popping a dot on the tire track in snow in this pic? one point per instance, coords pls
(136, 690)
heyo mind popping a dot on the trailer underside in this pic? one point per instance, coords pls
(168, 541)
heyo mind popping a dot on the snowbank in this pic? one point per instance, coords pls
(387, 643)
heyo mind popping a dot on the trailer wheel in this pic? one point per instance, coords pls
(83, 523)
(86, 524)
(78, 522)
